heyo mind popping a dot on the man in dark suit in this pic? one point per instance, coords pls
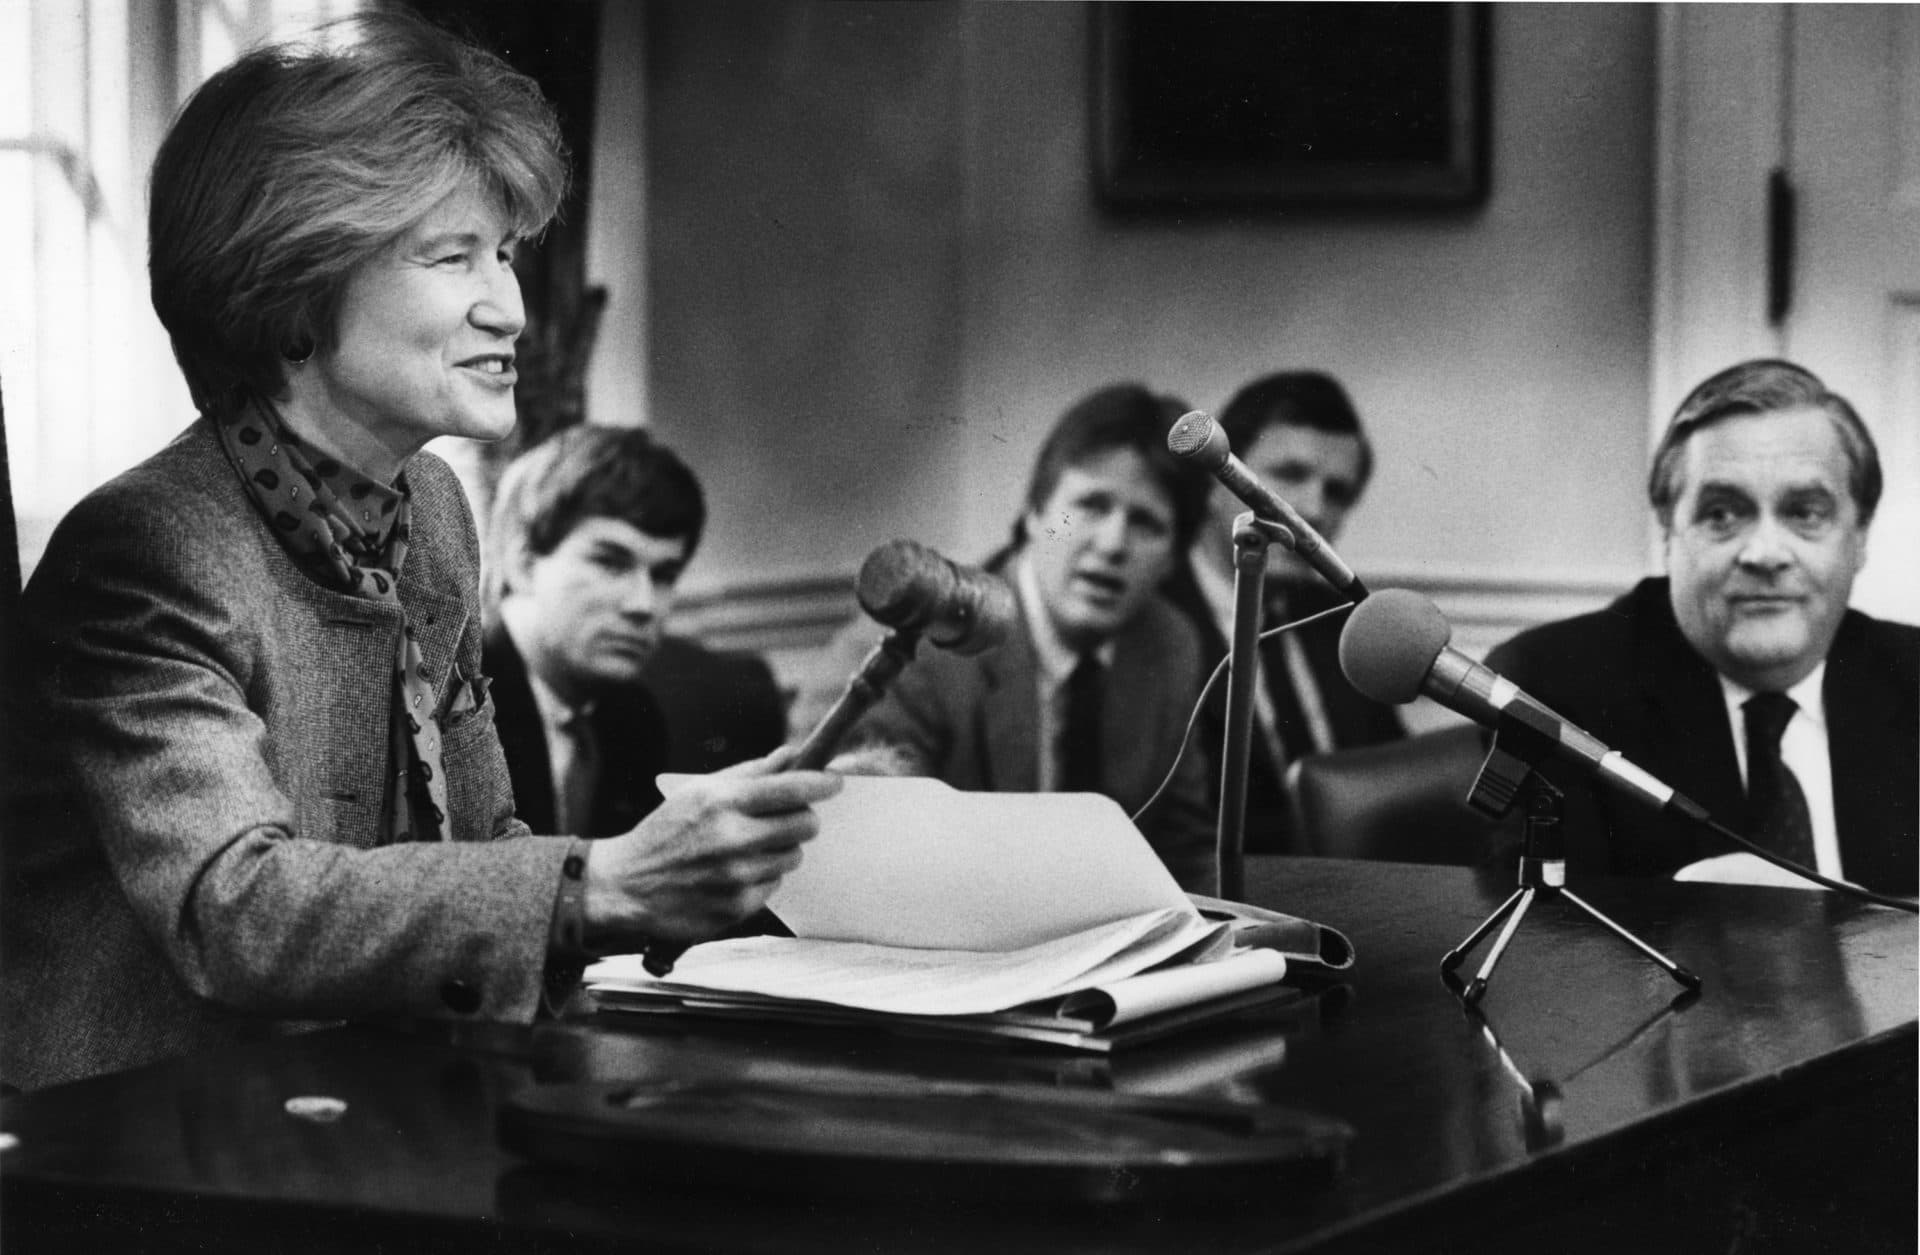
(1299, 433)
(1093, 691)
(589, 534)
(1742, 679)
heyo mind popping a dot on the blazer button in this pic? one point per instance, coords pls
(460, 997)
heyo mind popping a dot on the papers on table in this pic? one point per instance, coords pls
(918, 900)
(908, 981)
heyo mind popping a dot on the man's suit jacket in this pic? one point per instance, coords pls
(721, 706)
(627, 727)
(1628, 676)
(200, 770)
(974, 721)
(1353, 720)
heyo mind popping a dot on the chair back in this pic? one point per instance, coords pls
(1403, 801)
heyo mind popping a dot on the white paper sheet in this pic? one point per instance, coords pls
(1150, 993)
(912, 862)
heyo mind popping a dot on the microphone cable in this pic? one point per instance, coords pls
(1206, 691)
(1839, 886)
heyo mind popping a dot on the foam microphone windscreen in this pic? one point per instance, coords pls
(1390, 644)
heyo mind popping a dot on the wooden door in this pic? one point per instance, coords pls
(1853, 152)
(1829, 96)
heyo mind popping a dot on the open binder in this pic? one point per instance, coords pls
(924, 910)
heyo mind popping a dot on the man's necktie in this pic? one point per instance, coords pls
(577, 776)
(1292, 730)
(1290, 727)
(1776, 807)
(1080, 731)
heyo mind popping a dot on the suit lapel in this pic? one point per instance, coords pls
(437, 620)
(1871, 746)
(522, 738)
(1131, 712)
(1010, 713)
(1684, 714)
(1688, 726)
(337, 636)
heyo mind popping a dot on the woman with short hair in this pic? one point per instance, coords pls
(257, 779)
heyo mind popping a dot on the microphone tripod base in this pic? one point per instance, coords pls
(1540, 875)
(1513, 910)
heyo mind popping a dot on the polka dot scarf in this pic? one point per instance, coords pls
(351, 534)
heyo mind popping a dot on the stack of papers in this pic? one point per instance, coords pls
(1044, 916)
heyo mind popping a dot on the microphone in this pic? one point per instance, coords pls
(1198, 439)
(1394, 648)
(908, 587)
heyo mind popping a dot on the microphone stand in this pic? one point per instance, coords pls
(1252, 536)
(1507, 774)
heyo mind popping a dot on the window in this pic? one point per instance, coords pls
(87, 88)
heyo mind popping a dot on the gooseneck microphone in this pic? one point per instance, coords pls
(918, 594)
(1395, 648)
(908, 587)
(1198, 439)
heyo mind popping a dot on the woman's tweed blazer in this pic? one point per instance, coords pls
(199, 768)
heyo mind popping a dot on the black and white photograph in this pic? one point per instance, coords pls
(959, 625)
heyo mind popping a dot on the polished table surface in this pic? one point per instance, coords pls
(1583, 1107)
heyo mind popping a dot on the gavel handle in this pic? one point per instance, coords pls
(868, 685)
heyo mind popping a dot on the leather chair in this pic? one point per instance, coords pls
(1403, 801)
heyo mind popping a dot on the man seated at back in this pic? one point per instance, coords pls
(1741, 678)
(1298, 432)
(589, 534)
(1093, 690)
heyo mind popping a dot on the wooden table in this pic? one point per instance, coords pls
(1777, 1111)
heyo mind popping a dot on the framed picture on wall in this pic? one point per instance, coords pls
(1235, 105)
